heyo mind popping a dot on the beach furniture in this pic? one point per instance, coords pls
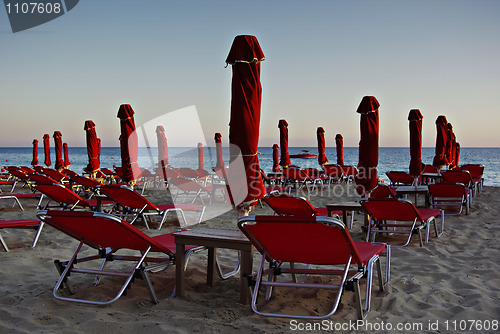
(325, 246)
(67, 199)
(291, 205)
(135, 205)
(383, 191)
(400, 178)
(35, 224)
(334, 172)
(299, 178)
(191, 188)
(450, 195)
(109, 236)
(54, 174)
(398, 216)
(476, 172)
(16, 198)
(350, 172)
(458, 176)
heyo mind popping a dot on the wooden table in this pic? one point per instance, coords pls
(416, 190)
(344, 207)
(214, 238)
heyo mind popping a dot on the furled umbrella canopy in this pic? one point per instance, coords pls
(285, 156)
(218, 150)
(339, 143)
(59, 163)
(129, 148)
(67, 163)
(201, 164)
(246, 94)
(46, 149)
(439, 160)
(457, 154)
(34, 162)
(93, 148)
(162, 146)
(320, 135)
(415, 120)
(276, 157)
(450, 145)
(367, 177)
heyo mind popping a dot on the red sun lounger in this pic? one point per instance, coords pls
(322, 243)
(109, 235)
(21, 223)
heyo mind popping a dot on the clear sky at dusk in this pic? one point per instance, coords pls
(322, 57)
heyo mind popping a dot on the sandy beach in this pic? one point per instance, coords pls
(450, 284)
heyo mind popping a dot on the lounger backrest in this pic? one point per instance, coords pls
(290, 205)
(313, 240)
(457, 177)
(333, 170)
(399, 177)
(41, 179)
(391, 209)
(350, 170)
(295, 173)
(19, 174)
(475, 171)
(449, 190)
(187, 184)
(54, 174)
(429, 169)
(189, 173)
(85, 181)
(59, 193)
(100, 231)
(382, 191)
(127, 197)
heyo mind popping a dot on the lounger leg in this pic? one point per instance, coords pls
(4, 245)
(37, 235)
(149, 286)
(357, 299)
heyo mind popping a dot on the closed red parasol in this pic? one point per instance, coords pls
(339, 143)
(128, 144)
(201, 164)
(246, 94)
(457, 154)
(367, 177)
(162, 146)
(46, 149)
(441, 137)
(450, 146)
(59, 164)
(218, 150)
(66, 156)
(415, 118)
(93, 148)
(320, 135)
(285, 157)
(34, 162)
(276, 157)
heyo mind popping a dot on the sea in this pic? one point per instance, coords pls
(390, 158)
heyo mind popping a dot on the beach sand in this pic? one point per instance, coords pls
(453, 278)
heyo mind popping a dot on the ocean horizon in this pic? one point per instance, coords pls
(390, 158)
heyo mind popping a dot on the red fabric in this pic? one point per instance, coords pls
(162, 146)
(46, 149)
(339, 142)
(218, 150)
(59, 164)
(441, 137)
(320, 135)
(66, 155)
(128, 144)
(276, 157)
(246, 94)
(285, 157)
(450, 145)
(34, 162)
(457, 154)
(201, 165)
(93, 148)
(367, 177)
(415, 118)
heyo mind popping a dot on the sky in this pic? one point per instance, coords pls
(322, 57)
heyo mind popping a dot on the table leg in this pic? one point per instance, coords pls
(179, 269)
(211, 266)
(246, 269)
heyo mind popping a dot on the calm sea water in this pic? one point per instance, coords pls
(389, 158)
